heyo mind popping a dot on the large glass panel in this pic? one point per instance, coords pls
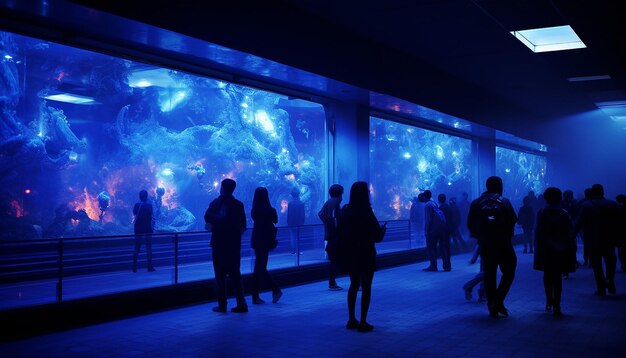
(521, 172)
(82, 133)
(406, 160)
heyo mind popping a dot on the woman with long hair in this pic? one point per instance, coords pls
(359, 230)
(263, 236)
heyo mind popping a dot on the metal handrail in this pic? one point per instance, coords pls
(169, 233)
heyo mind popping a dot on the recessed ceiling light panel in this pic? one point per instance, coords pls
(547, 39)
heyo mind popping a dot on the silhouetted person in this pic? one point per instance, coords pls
(444, 243)
(262, 241)
(359, 230)
(295, 218)
(454, 224)
(599, 217)
(526, 219)
(228, 220)
(478, 279)
(586, 232)
(329, 214)
(464, 205)
(569, 203)
(435, 231)
(144, 227)
(491, 220)
(556, 248)
(534, 201)
(621, 242)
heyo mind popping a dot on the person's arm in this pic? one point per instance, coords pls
(274, 216)
(428, 211)
(242, 218)
(475, 255)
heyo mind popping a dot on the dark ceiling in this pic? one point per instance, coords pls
(455, 56)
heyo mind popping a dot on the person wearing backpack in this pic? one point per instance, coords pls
(436, 232)
(491, 220)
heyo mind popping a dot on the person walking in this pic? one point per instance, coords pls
(228, 222)
(262, 241)
(359, 231)
(491, 220)
(600, 219)
(555, 248)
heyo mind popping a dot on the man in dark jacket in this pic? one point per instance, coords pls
(228, 221)
(599, 218)
(491, 220)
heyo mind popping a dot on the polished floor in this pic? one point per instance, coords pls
(415, 313)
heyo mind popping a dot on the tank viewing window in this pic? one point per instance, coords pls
(520, 173)
(82, 133)
(406, 160)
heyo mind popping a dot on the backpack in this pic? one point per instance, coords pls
(492, 217)
(438, 224)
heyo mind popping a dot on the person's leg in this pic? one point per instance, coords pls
(149, 252)
(508, 264)
(490, 267)
(220, 281)
(234, 272)
(431, 251)
(256, 276)
(332, 275)
(598, 271)
(529, 240)
(547, 286)
(355, 282)
(610, 261)
(136, 252)
(444, 244)
(265, 275)
(586, 250)
(366, 297)
(557, 283)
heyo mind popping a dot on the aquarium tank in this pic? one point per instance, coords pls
(521, 172)
(406, 160)
(82, 133)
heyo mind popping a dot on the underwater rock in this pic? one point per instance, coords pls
(175, 220)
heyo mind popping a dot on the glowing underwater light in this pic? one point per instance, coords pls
(422, 165)
(407, 155)
(167, 172)
(8, 57)
(143, 84)
(264, 120)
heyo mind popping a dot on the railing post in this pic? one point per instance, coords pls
(176, 258)
(59, 290)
